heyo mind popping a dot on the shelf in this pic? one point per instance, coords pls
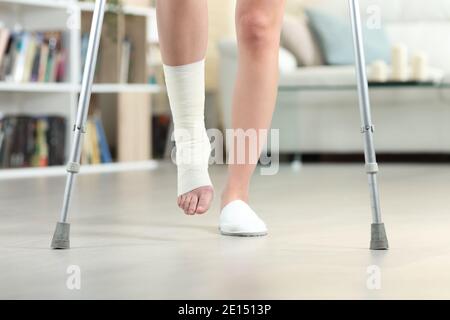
(36, 87)
(6, 174)
(84, 6)
(68, 88)
(117, 88)
(58, 4)
(127, 9)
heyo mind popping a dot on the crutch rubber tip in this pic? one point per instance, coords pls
(379, 239)
(61, 236)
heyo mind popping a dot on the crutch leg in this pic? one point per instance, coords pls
(61, 236)
(378, 234)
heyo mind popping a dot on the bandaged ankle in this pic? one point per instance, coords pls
(186, 90)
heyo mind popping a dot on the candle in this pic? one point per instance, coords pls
(379, 71)
(400, 63)
(420, 67)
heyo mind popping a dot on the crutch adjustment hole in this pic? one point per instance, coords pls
(81, 129)
(365, 129)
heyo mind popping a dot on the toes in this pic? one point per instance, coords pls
(181, 200)
(186, 203)
(192, 204)
(203, 203)
(197, 201)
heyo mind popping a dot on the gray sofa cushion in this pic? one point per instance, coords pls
(335, 39)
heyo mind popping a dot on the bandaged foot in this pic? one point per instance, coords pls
(186, 91)
(238, 219)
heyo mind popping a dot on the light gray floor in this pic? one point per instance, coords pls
(130, 240)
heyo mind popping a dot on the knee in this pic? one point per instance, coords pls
(256, 29)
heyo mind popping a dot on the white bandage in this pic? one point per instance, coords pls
(186, 90)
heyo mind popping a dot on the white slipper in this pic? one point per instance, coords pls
(238, 219)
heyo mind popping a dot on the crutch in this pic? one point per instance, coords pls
(378, 233)
(61, 236)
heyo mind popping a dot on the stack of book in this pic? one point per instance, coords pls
(32, 56)
(95, 146)
(27, 141)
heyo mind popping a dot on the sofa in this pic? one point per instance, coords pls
(407, 119)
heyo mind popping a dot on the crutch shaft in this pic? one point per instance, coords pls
(378, 233)
(61, 236)
(73, 164)
(364, 103)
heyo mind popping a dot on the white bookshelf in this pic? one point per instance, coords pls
(74, 88)
(61, 98)
(58, 171)
(40, 3)
(82, 5)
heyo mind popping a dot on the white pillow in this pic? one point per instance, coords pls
(286, 61)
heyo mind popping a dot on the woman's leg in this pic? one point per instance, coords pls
(183, 30)
(183, 34)
(258, 25)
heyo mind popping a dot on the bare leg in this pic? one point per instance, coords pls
(183, 30)
(183, 34)
(258, 24)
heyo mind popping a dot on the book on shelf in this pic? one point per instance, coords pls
(30, 141)
(4, 41)
(105, 154)
(125, 61)
(160, 135)
(32, 56)
(56, 137)
(41, 154)
(95, 148)
(39, 141)
(83, 53)
(94, 142)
